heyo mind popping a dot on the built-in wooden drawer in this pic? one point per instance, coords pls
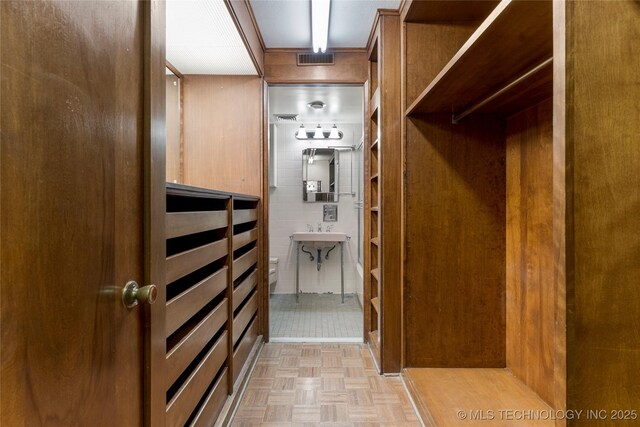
(242, 264)
(243, 239)
(208, 413)
(244, 289)
(181, 264)
(184, 223)
(242, 216)
(187, 397)
(184, 306)
(183, 354)
(244, 348)
(243, 318)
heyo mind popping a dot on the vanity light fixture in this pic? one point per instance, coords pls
(320, 24)
(318, 134)
(335, 134)
(302, 133)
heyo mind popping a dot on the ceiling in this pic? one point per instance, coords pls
(203, 39)
(287, 23)
(344, 103)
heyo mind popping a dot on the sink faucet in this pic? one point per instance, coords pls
(319, 227)
(329, 228)
(310, 228)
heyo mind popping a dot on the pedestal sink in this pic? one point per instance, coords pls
(319, 237)
(319, 240)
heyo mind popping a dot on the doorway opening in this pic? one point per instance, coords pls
(316, 218)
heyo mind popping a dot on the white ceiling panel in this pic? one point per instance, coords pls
(202, 39)
(344, 104)
(351, 21)
(284, 23)
(287, 23)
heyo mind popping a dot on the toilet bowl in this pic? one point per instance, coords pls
(273, 274)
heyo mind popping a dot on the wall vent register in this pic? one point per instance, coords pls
(285, 117)
(315, 59)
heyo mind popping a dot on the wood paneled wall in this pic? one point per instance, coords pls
(424, 61)
(455, 254)
(454, 270)
(281, 67)
(222, 133)
(531, 294)
(602, 114)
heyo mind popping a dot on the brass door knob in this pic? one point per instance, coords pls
(132, 294)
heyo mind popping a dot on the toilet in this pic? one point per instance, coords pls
(273, 274)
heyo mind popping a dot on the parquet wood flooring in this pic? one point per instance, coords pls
(322, 385)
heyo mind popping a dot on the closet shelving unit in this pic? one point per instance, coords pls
(495, 72)
(213, 289)
(480, 333)
(372, 282)
(383, 188)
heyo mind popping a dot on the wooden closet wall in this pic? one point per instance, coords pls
(383, 188)
(521, 192)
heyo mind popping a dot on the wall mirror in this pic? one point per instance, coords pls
(320, 174)
(172, 100)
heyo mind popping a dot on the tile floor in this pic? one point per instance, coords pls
(322, 385)
(315, 316)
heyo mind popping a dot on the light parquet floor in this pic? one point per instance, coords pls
(322, 385)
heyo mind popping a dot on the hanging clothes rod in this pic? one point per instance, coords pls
(456, 118)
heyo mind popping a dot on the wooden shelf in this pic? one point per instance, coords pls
(376, 274)
(374, 104)
(515, 38)
(440, 11)
(374, 145)
(440, 392)
(376, 241)
(374, 177)
(375, 302)
(374, 209)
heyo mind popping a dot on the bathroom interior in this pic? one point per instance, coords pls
(316, 213)
(191, 191)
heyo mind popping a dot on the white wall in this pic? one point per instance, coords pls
(288, 214)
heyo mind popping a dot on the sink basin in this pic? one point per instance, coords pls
(330, 236)
(319, 241)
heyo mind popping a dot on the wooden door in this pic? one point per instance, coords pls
(72, 207)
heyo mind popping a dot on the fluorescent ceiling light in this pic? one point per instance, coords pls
(318, 133)
(320, 24)
(302, 133)
(334, 133)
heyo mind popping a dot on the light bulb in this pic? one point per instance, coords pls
(334, 133)
(302, 133)
(318, 133)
